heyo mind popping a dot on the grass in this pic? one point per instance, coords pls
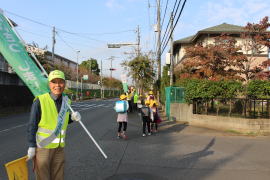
(233, 131)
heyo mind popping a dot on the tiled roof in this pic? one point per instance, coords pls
(185, 40)
(222, 28)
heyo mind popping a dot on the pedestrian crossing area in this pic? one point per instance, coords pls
(87, 106)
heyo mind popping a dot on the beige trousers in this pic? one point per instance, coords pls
(49, 164)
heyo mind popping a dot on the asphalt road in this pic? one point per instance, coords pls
(177, 151)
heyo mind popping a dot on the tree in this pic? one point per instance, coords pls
(255, 40)
(213, 61)
(112, 83)
(142, 71)
(92, 66)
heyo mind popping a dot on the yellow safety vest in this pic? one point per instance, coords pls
(48, 122)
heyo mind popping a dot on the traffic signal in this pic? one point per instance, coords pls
(112, 69)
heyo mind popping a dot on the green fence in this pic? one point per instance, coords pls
(173, 95)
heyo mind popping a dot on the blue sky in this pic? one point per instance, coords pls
(91, 19)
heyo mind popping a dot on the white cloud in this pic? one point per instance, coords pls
(235, 11)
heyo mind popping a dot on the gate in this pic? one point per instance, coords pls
(173, 95)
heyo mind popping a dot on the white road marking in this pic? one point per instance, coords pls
(100, 105)
(13, 128)
(83, 105)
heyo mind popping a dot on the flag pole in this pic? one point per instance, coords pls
(46, 74)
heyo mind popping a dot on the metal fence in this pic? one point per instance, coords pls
(173, 95)
(237, 107)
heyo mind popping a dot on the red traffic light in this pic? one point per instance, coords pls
(112, 69)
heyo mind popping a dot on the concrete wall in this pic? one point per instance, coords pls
(183, 112)
(13, 95)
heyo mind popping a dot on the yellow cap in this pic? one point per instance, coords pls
(122, 97)
(56, 74)
(151, 93)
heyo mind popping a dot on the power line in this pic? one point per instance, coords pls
(106, 33)
(164, 39)
(65, 42)
(174, 25)
(79, 35)
(47, 37)
(33, 33)
(34, 21)
(68, 32)
(164, 14)
(168, 23)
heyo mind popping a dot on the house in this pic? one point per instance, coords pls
(58, 60)
(207, 36)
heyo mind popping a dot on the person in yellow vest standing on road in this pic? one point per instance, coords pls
(135, 100)
(47, 127)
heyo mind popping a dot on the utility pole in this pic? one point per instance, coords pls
(101, 79)
(171, 56)
(158, 40)
(111, 69)
(138, 41)
(53, 42)
(90, 66)
(77, 95)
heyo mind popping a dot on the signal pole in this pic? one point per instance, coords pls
(77, 95)
(53, 42)
(138, 41)
(101, 79)
(111, 69)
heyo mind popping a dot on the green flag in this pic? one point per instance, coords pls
(125, 87)
(15, 53)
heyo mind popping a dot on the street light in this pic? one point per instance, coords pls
(77, 97)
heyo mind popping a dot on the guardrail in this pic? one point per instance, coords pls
(73, 85)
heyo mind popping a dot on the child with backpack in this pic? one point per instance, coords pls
(121, 107)
(155, 118)
(145, 113)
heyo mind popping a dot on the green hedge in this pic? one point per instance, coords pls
(225, 89)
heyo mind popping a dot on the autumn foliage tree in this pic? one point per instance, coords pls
(256, 39)
(227, 59)
(213, 61)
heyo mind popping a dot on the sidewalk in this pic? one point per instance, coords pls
(179, 151)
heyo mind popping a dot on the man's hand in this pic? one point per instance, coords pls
(76, 116)
(31, 153)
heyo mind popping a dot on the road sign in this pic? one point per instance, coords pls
(85, 77)
(114, 45)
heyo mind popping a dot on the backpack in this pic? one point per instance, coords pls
(145, 111)
(120, 106)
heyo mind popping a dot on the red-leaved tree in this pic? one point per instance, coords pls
(214, 61)
(256, 40)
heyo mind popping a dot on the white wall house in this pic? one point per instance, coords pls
(207, 36)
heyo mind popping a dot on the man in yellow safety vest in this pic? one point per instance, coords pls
(47, 127)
